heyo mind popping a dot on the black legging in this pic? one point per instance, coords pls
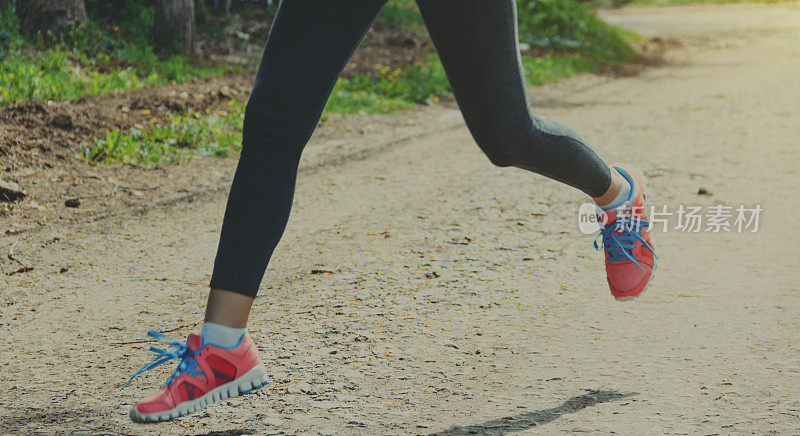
(308, 46)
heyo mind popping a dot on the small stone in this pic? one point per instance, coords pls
(72, 202)
(306, 388)
(294, 390)
(36, 205)
(10, 191)
(275, 422)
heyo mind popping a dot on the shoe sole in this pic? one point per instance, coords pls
(634, 297)
(250, 381)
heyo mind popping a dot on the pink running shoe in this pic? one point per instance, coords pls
(630, 256)
(205, 375)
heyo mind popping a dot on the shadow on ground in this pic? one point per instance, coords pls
(38, 420)
(537, 417)
(84, 421)
(235, 432)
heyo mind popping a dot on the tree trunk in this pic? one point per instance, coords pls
(174, 26)
(222, 6)
(50, 17)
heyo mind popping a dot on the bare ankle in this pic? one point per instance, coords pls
(227, 308)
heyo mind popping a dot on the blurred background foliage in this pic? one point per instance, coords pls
(113, 49)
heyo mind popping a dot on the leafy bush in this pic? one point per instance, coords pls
(571, 26)
(9, 27)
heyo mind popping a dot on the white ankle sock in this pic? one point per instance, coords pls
(622, 196)
(221, 335)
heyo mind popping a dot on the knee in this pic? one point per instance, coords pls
(499, 134)
(268, 128)
(499, 154)
(516, 140)
(498, 141)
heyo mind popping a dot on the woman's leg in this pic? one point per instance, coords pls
(308, 46)
(477, 43)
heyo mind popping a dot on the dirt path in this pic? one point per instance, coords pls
(453, 296)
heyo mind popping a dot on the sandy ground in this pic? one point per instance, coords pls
(448, 296)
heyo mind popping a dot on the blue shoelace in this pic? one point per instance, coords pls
(620, 236)
(180, 351)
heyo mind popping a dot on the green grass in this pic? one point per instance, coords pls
(56, 74)
(52, 75)
(686, 2)
(389, 89)
(87, 61)
(401, 13)
(548, 69)
(195, 133)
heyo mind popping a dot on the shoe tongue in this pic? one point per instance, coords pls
(194, 342)
(607, 216)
